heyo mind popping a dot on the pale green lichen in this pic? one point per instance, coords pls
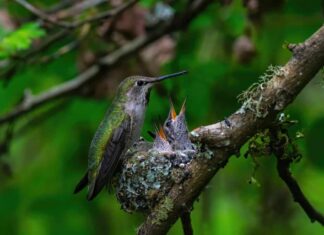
(264, 142)
(164, 209)
(148, 175)
(204, 152)
(252, 98)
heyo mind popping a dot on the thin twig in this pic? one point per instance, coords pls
(299, 197)
(45, 44)
(77, 8)
(283, 168)
(60, 52)
(40, 117)
(78, 23)
(106, 15)
(42, 15)
(59, 91)
(59, 6)
(186, 223)
(63, 32)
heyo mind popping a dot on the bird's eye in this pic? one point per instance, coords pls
(140, 83)
(168, 124)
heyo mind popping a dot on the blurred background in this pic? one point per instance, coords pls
(226, 48)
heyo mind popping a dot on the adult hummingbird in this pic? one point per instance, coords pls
(118, 131)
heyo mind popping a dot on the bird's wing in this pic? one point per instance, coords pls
(113, 150)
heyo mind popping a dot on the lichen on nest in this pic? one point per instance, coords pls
(148, 175)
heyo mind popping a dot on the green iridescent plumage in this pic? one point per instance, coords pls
(110, 132)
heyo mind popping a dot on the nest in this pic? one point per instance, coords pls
(147, 176)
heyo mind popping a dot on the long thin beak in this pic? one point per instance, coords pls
(158, 79)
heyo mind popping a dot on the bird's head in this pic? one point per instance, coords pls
(175, 122)
(137, 88)
(161, 143)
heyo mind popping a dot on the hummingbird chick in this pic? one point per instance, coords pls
(176, 129)
(161, 143)
(117, 132)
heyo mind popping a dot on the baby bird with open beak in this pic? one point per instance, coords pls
(176, 129)
(161, 143)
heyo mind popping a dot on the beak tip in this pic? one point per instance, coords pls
(172, 111)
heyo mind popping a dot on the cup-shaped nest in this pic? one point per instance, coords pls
(147, 176)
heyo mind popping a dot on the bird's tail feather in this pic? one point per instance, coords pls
(82, 184)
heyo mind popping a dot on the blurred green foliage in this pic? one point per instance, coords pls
(20, 39)
(48, 153)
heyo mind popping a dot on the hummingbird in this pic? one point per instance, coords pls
(161, 143)
(176, 130)
(118, 131)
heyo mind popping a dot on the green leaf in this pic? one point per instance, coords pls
(20, 39)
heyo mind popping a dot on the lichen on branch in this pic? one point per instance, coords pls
(252, 98)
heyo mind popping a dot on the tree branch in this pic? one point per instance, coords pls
(41, 14)
(108, 61)
(285, 174)
(283, 165)
(224, 140)
(78, 23)
(105, 15)
(186, 223)
(75, 9)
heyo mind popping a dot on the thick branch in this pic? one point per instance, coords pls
(110, 60)
(225, 140)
